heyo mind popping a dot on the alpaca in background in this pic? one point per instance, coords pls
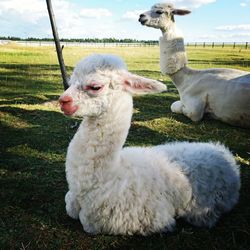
(224, 94)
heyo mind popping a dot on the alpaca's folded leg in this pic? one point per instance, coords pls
(194, 109)
(72, 205)
(87, 225)
(176, 107)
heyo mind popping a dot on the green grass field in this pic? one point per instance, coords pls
(35, 136)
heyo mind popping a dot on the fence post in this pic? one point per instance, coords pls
(234, 46)
(246, 45)
(57, 44)
(212, 44)
(195, 45)
(204, 45)
(223, 45)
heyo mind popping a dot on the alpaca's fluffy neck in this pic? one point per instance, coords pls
(170, 32)
(172, 51)
(98, 141)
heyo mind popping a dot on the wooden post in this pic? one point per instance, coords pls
(246, 45)
(234, 46)
(204, 44)
(223, 45)
(212, 44)
(58, 46)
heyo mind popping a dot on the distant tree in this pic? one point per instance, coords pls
(82, 40)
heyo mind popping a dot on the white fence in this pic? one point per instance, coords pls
(244, 45)
(219, 44)
(3, 42)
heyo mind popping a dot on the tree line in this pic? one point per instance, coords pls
(80, 40)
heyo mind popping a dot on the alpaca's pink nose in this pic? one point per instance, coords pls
(65, 99)
(66, 103)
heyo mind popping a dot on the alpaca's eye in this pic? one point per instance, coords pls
(159, 12)
(95, 88)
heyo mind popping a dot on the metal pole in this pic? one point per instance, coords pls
(58, 46)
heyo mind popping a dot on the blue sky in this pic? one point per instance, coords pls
(210, 20)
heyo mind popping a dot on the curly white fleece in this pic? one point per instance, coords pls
(138, 190)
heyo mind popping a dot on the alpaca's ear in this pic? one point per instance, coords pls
(180, 12)
(138, 85)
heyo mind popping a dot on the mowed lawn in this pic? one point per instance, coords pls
(35, 136)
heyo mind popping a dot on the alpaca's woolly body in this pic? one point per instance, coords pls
(142, 190)
(201, 91)
(224, 94)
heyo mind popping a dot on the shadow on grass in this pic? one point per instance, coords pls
(21, 81)
(27, 69)
(10, 98)
(33, 181)
(33, 184)
(44, 130)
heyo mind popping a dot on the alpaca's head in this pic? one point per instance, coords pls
(96, 80)
(161, 16)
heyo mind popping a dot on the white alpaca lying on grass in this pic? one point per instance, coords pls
(222, 93)
(136, 190)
